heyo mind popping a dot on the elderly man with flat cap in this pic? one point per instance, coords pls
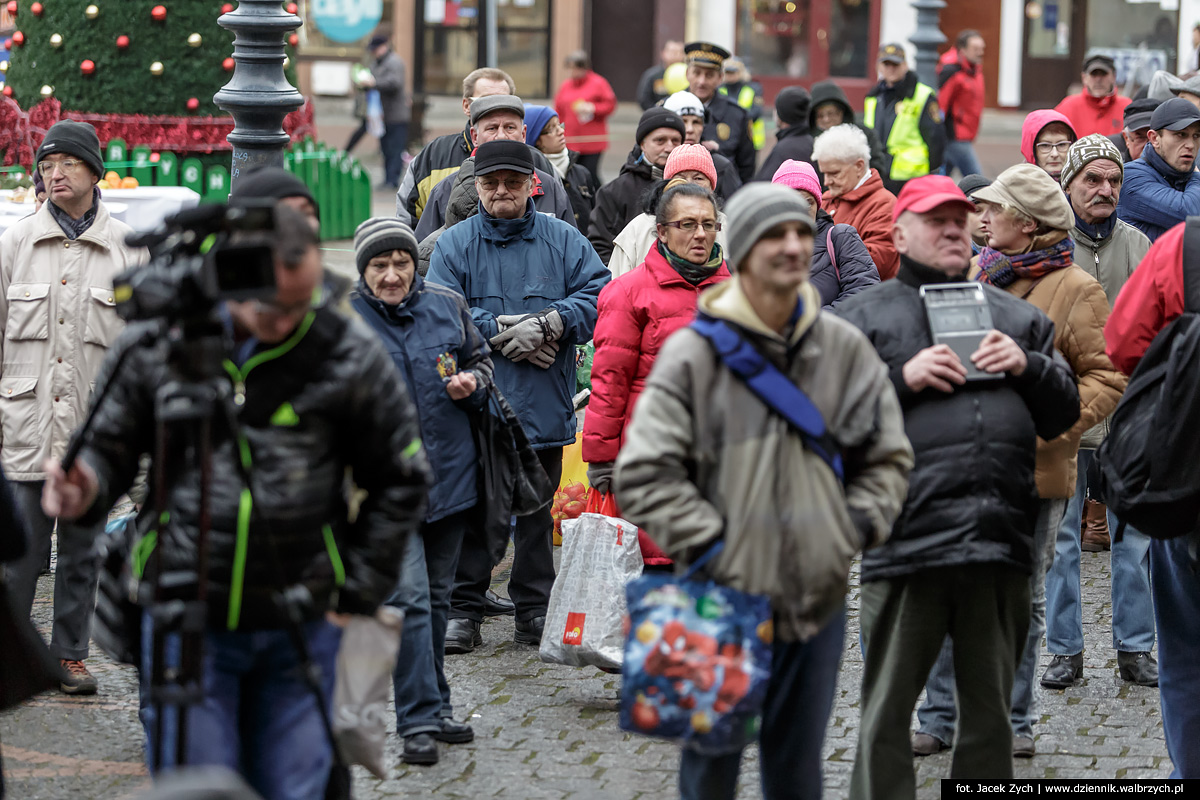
(959, 558)
(729, 127)
(1162, 188)
(58, 320)
(494, 118)
(532, 283)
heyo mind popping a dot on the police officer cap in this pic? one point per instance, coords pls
(705, 54)
(892, 54)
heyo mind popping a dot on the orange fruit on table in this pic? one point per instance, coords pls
(113, 178)
(129, 183)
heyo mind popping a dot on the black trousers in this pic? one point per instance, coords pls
(533, 559)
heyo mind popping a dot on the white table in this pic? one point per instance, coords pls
(10, 213)
(146, 207)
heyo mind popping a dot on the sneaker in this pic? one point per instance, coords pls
(76, 679)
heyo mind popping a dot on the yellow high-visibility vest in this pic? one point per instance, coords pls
(910, 154)
(745, 99)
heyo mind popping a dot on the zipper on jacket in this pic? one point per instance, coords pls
(246, 500)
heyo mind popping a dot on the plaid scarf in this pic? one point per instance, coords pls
(1002, 271)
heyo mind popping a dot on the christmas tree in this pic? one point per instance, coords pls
(144, 71)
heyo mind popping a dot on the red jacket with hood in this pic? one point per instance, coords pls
(1149, 301)
(1033, 126)
(636, 314)
(960, 94)
(1088, 115)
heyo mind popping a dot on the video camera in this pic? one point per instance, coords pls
(200, 257)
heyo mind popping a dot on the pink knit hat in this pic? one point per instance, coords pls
(691, 156)
(798, 175)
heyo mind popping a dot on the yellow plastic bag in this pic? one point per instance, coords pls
(570, 498)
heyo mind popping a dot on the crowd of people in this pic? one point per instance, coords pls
(968, 487)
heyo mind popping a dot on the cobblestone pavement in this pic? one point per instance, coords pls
(547, 731)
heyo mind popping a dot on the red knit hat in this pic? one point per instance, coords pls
(691, 156)
(798, 175)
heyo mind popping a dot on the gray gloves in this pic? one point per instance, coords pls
(544, 356)
(600, 475)
(522, 334)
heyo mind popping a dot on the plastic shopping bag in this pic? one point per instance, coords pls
(586, 618)
(697, 661)
(365, 662)
(571, 497)
(375, 125)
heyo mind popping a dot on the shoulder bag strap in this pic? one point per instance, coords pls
(832, 254)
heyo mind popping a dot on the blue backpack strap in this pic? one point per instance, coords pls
(773, 388)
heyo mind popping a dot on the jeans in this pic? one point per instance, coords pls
(426, 579)
(74, 578)
(533, 559)
(1132, 606)
(961, 155)
(1175, 578)
(258, 717)
(393, 142)
(936, 715)
(803, 676)
(984, 608)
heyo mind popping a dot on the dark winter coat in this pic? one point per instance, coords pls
(794, 142)
(326, 400)
(728, 180)
(729, 126)
(619, 201)
(828, 91)
(581, 187)
(854, 270)
(972, 497)
(430, 337)
(523, 266)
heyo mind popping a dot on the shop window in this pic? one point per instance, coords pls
(850, 54)
(1141, 37)
(331, 29)
(523, 44)
(806, 39)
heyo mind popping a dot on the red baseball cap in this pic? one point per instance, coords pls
(927, 193)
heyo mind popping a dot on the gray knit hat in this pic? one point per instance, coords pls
(755, 209)
(382, 235)
(1086, 150)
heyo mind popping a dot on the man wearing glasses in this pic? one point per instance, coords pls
(532, 283)
(1162, 188)
(58, 319)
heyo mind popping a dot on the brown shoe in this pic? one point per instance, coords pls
(76, 679)
(1095, 527)
(925, 744)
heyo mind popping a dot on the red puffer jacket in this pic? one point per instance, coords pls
(637, 312)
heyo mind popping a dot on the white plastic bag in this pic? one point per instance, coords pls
(375, 125)
(586, 618)
(365, 661)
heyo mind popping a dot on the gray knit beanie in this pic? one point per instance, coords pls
(755, 209)
(382, 235)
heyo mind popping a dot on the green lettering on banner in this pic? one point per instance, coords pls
(216, 185)
(142, 168)
(191, 175)
(168, 170)
(116, 153)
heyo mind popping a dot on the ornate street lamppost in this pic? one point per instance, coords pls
(927, 38)
(258, 95)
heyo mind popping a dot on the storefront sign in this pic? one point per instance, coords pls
(346, 20)
(1139, 63)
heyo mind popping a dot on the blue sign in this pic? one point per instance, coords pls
(346, 20)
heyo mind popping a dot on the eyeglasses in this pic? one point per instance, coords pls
(492, 184)
(67, 167)
(690, 225)
(1045, 148)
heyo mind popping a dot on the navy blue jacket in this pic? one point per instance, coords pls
(430, 337)
(523, 266)
(855, 270)
(1155, 197)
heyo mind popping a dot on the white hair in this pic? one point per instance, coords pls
(846, 143)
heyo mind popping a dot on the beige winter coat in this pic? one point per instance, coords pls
(59, 317)
(704, 457)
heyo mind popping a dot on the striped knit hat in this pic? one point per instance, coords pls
(755, 209)
(1086, 150)
(382, 235)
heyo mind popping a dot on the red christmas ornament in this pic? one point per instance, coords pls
(192, 104)
(294, 40)
(158, 13)
(154, 157)
(7, 90)
(87, 66)
(292, 8)
(229, 64)
(37, 9)
(12, 8)
(122, 42)
(227, 8)
(18, 38)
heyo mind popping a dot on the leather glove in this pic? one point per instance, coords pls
(543, 356)
(520, 338)
(600, 475)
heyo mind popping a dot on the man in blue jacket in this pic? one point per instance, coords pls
(1162, 187)
(531, 282)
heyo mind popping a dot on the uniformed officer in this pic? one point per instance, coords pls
(728, 129)
(905, 114)
(747, 93)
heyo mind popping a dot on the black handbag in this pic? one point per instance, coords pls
(512, 482)
(26, 667)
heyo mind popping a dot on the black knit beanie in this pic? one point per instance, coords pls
(382, 235)
(74, 138)
(272, 183)
(658, 117)
(792, 105)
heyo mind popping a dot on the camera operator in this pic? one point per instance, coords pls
(315, 396)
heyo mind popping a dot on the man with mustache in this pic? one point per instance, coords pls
(1109, 249)
(1162, 188)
